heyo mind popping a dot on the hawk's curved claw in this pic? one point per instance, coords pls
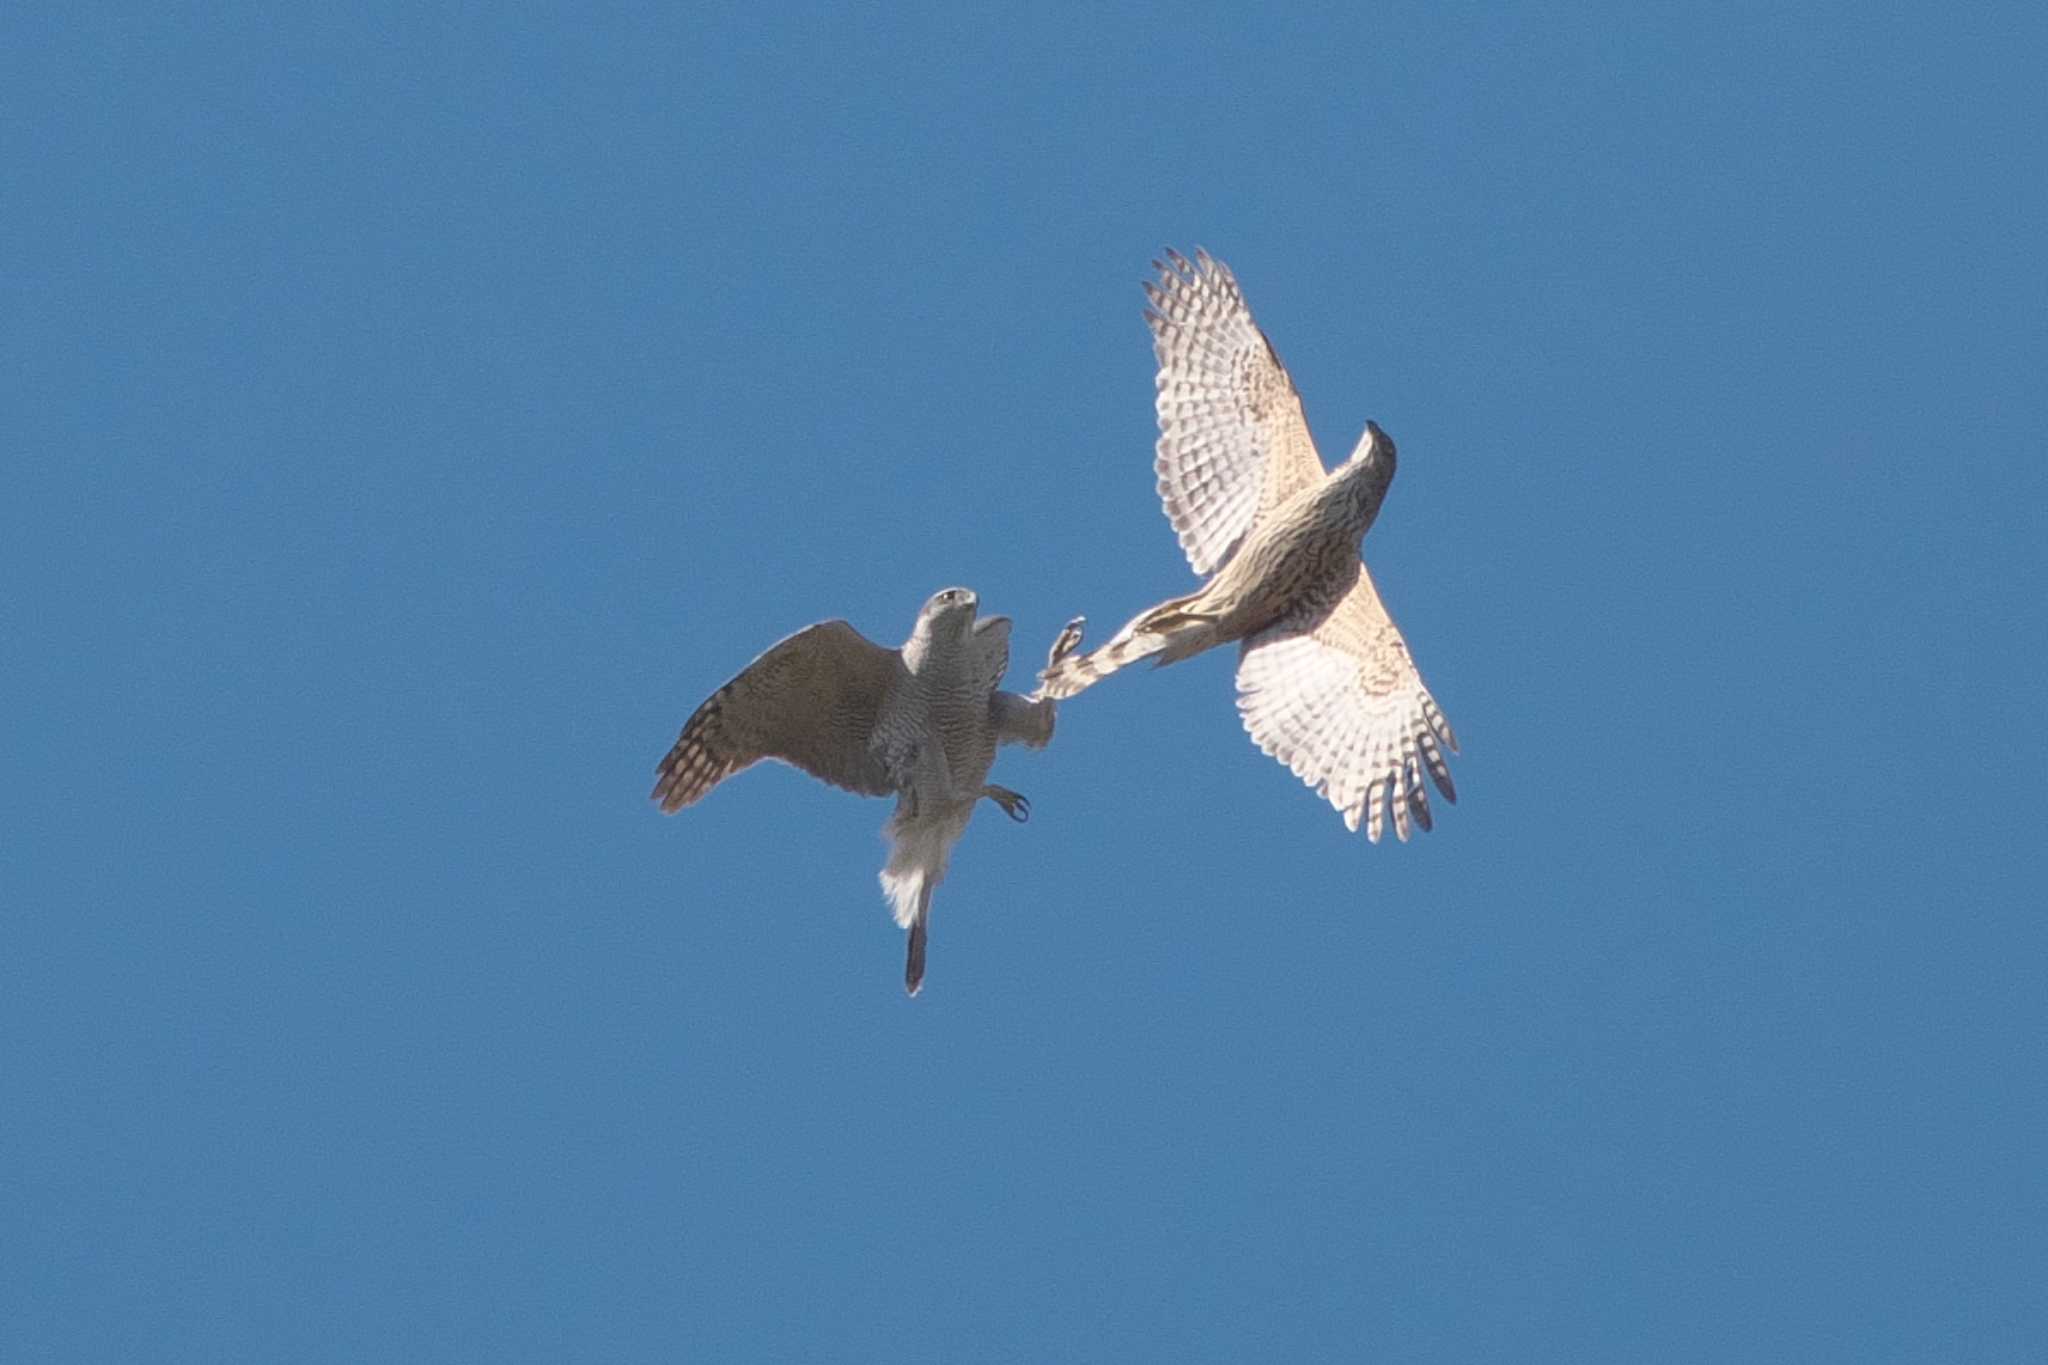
(1068, 641)
(1015, 804)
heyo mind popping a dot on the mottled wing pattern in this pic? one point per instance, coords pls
(1232, 439)
(811, 701)
(1339, 701)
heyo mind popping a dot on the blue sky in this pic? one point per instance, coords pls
(411, 416)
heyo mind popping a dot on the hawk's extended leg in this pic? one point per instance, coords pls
(1068, 641)
(1167, 633)
(1015, 804)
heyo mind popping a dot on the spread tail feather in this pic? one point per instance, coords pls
(919, 849)
(913, 965)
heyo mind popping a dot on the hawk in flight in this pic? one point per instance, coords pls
(920, 723)
(1324, 681)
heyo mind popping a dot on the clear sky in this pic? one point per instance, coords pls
(409, 417)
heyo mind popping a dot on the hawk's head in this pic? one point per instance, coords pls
(1377, 446)
(1365, 477)
(948, 613)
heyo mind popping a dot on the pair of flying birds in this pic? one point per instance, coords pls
(1324, 681)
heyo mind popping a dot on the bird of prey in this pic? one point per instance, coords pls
(1324, 680)
(920, 723)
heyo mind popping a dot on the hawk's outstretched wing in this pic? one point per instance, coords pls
(991, 651)
(1232, 439)
(810, 700)
(1339, 701)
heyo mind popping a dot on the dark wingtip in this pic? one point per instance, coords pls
(1418, 806)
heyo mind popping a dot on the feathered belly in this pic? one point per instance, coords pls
(969, 737)
(1294, 568)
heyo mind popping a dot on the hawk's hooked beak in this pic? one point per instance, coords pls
(990, 623)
